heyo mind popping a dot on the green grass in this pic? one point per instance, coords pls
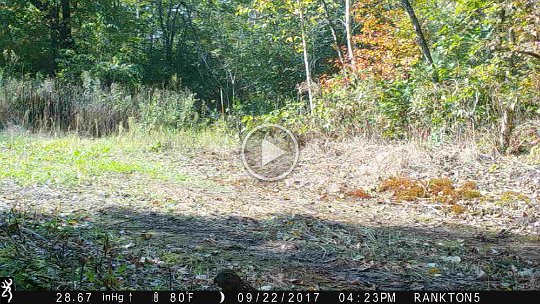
(134, 159)
(71, 160)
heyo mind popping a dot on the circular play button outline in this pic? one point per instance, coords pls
(266, 160)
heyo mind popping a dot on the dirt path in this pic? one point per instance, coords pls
(305, 232)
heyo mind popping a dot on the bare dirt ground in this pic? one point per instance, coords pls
(305, 232)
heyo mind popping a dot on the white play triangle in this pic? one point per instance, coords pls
(270, 152)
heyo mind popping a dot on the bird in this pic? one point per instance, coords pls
(229, 281)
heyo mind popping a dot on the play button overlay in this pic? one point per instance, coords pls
(270, 152)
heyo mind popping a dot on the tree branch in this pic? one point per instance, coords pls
(42, 6)
(532, 54)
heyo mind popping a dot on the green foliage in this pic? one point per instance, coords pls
(478, 51)
(118, 59)
(292, 115)
(394, 107)
(169, 110)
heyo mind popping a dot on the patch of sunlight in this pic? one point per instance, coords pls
(74, 160)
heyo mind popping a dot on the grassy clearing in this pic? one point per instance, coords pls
(72, 160)
(69, 250)
(179, 210)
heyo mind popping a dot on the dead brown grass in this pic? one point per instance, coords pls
(440, 189)
(359, 193)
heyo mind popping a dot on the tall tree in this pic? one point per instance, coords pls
(306, 58)
(333, 31)
(350, 51)
(421, 38)
(168, 16)
(58, 19)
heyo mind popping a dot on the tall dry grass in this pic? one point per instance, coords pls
(91, 109)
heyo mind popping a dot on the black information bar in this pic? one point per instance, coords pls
(300, 297)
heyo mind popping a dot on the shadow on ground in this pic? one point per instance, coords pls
(121, 249)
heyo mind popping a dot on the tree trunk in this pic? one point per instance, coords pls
(508, 37)
(164, 22)
(59, 28)
(421, 38)
(306, 58)
(507, 126)
(333, 31)
(66, 40)
(350, 52)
